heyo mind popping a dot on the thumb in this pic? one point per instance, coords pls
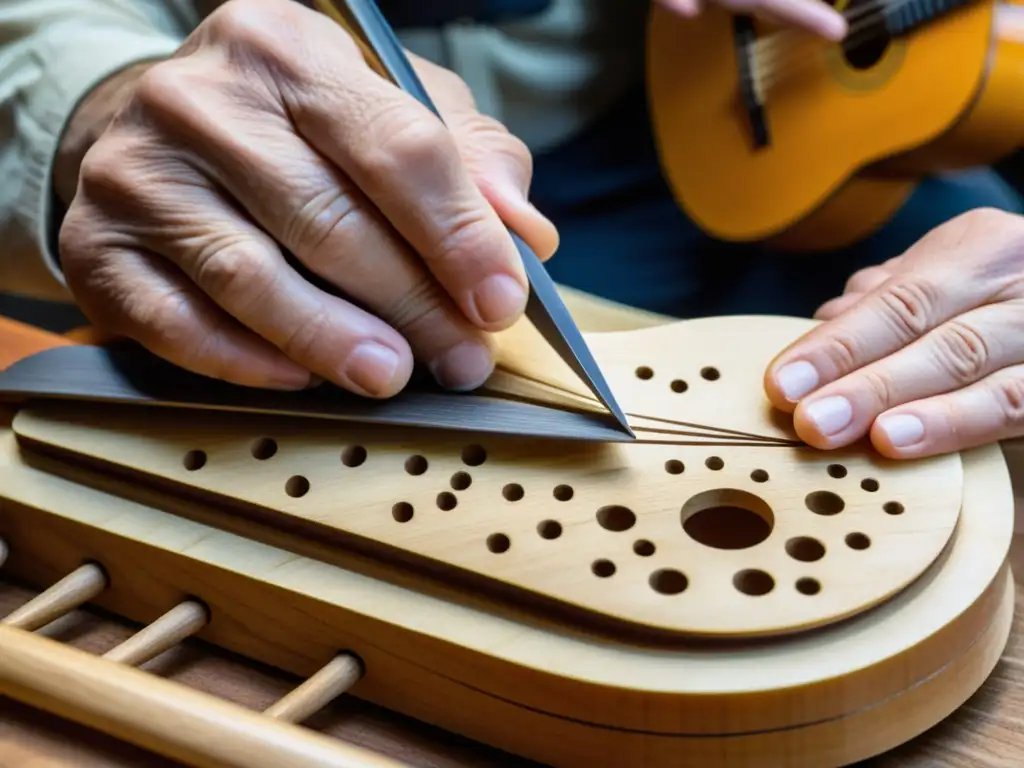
(499, 163)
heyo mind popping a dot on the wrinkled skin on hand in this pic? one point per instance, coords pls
(267, 133)
(923, 354)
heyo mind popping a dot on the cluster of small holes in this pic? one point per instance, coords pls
(615, 518)
(679, 386)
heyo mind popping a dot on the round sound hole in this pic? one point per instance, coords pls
(867, 39)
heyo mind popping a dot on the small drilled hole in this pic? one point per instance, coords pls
(710, 374)
(513, 492)
(616, 518)
(353, 456)
(759, 476)
(562, 492)
(857, 541)
(824, 503)
(805, 549)
(679, 386)
(643, 547)
(644, 373)
(674, 467)
(836, 470)
(461, 481)
(808, 586)
(603, 568)
(446, 501)
(549, 529)
(714, 463)
(402, 512)
(263, 449)
(498, 543)
(296, 486)
(416, 465)
(893, 508)
(753, 582)
(474, 455)
(668, 581)
(869, 484)
(194, 460)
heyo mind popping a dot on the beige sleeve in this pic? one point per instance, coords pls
(52, 52)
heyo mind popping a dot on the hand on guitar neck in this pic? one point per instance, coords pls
(812, 15)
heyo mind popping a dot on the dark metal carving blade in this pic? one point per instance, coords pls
(545, 308)
(130, 374)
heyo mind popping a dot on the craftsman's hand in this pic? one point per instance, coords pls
(811, 15)
(925, 353)
(267, 134)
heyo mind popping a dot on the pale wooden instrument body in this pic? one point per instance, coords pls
(861, 671)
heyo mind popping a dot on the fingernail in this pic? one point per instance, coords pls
(902, 429)
(499, 299)
(797, 379)
(372, 367)
(464, 366)
(830, 414)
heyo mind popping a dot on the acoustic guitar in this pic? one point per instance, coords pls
(774, 134)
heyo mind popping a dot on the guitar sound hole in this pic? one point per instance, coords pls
(867, 39)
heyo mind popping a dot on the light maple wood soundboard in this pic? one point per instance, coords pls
(983, 733)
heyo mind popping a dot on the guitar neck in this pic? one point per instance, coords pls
(903, 16)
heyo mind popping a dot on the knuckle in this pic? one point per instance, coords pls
(963, 351)
(909, 304)
(1009, 395)
(105, 174)
(233, 273)
(161, 90)
(309, 228)
(880, 386)
(409, 142)
(468, 235)
(841, 351)
(420, 312)
(310, 339)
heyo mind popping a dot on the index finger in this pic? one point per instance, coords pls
(407, 163)
(898, 312)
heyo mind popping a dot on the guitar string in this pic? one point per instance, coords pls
(771, 55)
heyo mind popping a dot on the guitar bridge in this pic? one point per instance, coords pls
(751, 98)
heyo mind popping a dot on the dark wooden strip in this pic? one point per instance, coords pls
(130, 374)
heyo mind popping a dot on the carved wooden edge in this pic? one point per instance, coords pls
(300, 632)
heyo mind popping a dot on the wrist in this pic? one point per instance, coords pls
(90, 119)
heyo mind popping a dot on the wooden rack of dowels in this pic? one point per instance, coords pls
(109, 693)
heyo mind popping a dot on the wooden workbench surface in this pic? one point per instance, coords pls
(987, 732)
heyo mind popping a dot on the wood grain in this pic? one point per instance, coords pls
(984, 733)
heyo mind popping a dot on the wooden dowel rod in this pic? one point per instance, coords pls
(78, 587)
(167, 718)
(182, 621)
(332, 680)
